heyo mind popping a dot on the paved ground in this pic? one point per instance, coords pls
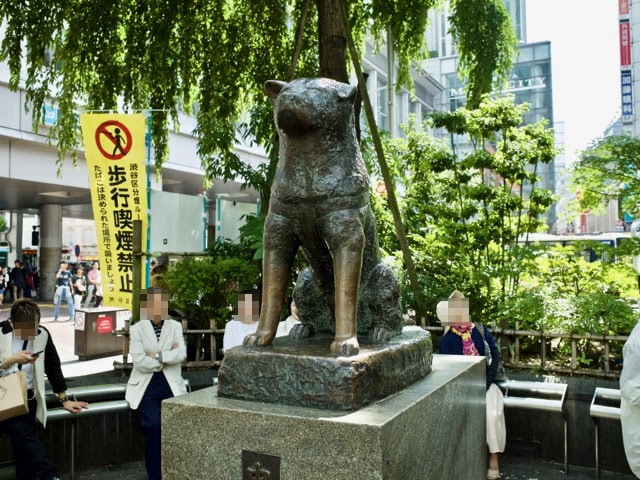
(512, 468)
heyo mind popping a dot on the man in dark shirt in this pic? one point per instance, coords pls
(18, 280)
(63, 290)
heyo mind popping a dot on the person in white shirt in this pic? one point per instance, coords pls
(245, 323)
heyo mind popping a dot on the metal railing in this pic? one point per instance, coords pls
(188, 333)
(104, 399)
(515, 354)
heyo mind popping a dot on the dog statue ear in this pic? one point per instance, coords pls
(273, 88)
(347, 92)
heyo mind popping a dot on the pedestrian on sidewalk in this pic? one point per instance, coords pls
(157, 350)
(63, 291)
(18, 278)
(27, 346)
(79, 286)
(94, 277)
(4, 282)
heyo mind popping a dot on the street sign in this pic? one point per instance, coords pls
(113, 139)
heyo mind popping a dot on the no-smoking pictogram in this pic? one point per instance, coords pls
(113, 139)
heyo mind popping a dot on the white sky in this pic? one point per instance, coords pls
(585, 66)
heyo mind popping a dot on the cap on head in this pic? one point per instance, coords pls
(454, 310)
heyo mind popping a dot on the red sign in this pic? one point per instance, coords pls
(623, 7)
(113, 139)
(104, 324)
(625, 44)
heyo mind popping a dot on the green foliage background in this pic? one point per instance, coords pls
(464, 230)
(214, 56)
(204, 288)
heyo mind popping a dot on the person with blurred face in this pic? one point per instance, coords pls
(245, 323)
(26, 346)
(157, 350)
(462, 337)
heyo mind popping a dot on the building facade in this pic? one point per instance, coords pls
(530, 81)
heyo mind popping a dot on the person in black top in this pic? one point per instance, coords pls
(18, 277)
(26, 346)
(63, 290)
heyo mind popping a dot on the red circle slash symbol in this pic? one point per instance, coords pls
(113, 139)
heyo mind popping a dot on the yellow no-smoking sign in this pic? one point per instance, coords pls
(112, 137)
(115, 152)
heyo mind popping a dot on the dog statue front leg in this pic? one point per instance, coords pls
(279, 252)
(347, 265)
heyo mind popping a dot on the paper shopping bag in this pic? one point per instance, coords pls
(13, 395)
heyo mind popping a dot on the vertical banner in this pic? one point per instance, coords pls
(115, 150)
(626, 83)
(625, 44)
(623, 7)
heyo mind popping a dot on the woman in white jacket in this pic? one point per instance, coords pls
(157, 350)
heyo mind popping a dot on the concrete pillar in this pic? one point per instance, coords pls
(19, 236)
(14, 235)
(50, 248)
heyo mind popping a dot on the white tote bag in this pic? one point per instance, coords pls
(496, 425)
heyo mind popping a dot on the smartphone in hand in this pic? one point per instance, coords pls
(35, 354)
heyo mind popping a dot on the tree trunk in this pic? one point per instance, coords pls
(332, 41)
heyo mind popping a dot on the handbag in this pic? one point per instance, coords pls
(487, 350)
(13, 395)
(501, 373)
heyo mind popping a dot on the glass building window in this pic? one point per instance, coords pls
(382, 100)
(542, 51)
(513, 9)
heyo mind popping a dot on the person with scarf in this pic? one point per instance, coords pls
(464, 338)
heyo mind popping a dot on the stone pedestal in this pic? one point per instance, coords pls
(305, 373)
(433, 429)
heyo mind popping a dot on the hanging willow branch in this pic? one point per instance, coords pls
(214, 54)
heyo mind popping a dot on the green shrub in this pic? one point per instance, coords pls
(203, 289)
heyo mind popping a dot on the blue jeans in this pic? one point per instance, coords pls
(66, 293)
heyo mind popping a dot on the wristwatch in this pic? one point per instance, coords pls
(64, 399)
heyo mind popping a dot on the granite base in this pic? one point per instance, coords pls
(433, 429)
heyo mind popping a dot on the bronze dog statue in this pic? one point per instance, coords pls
(320, 203)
